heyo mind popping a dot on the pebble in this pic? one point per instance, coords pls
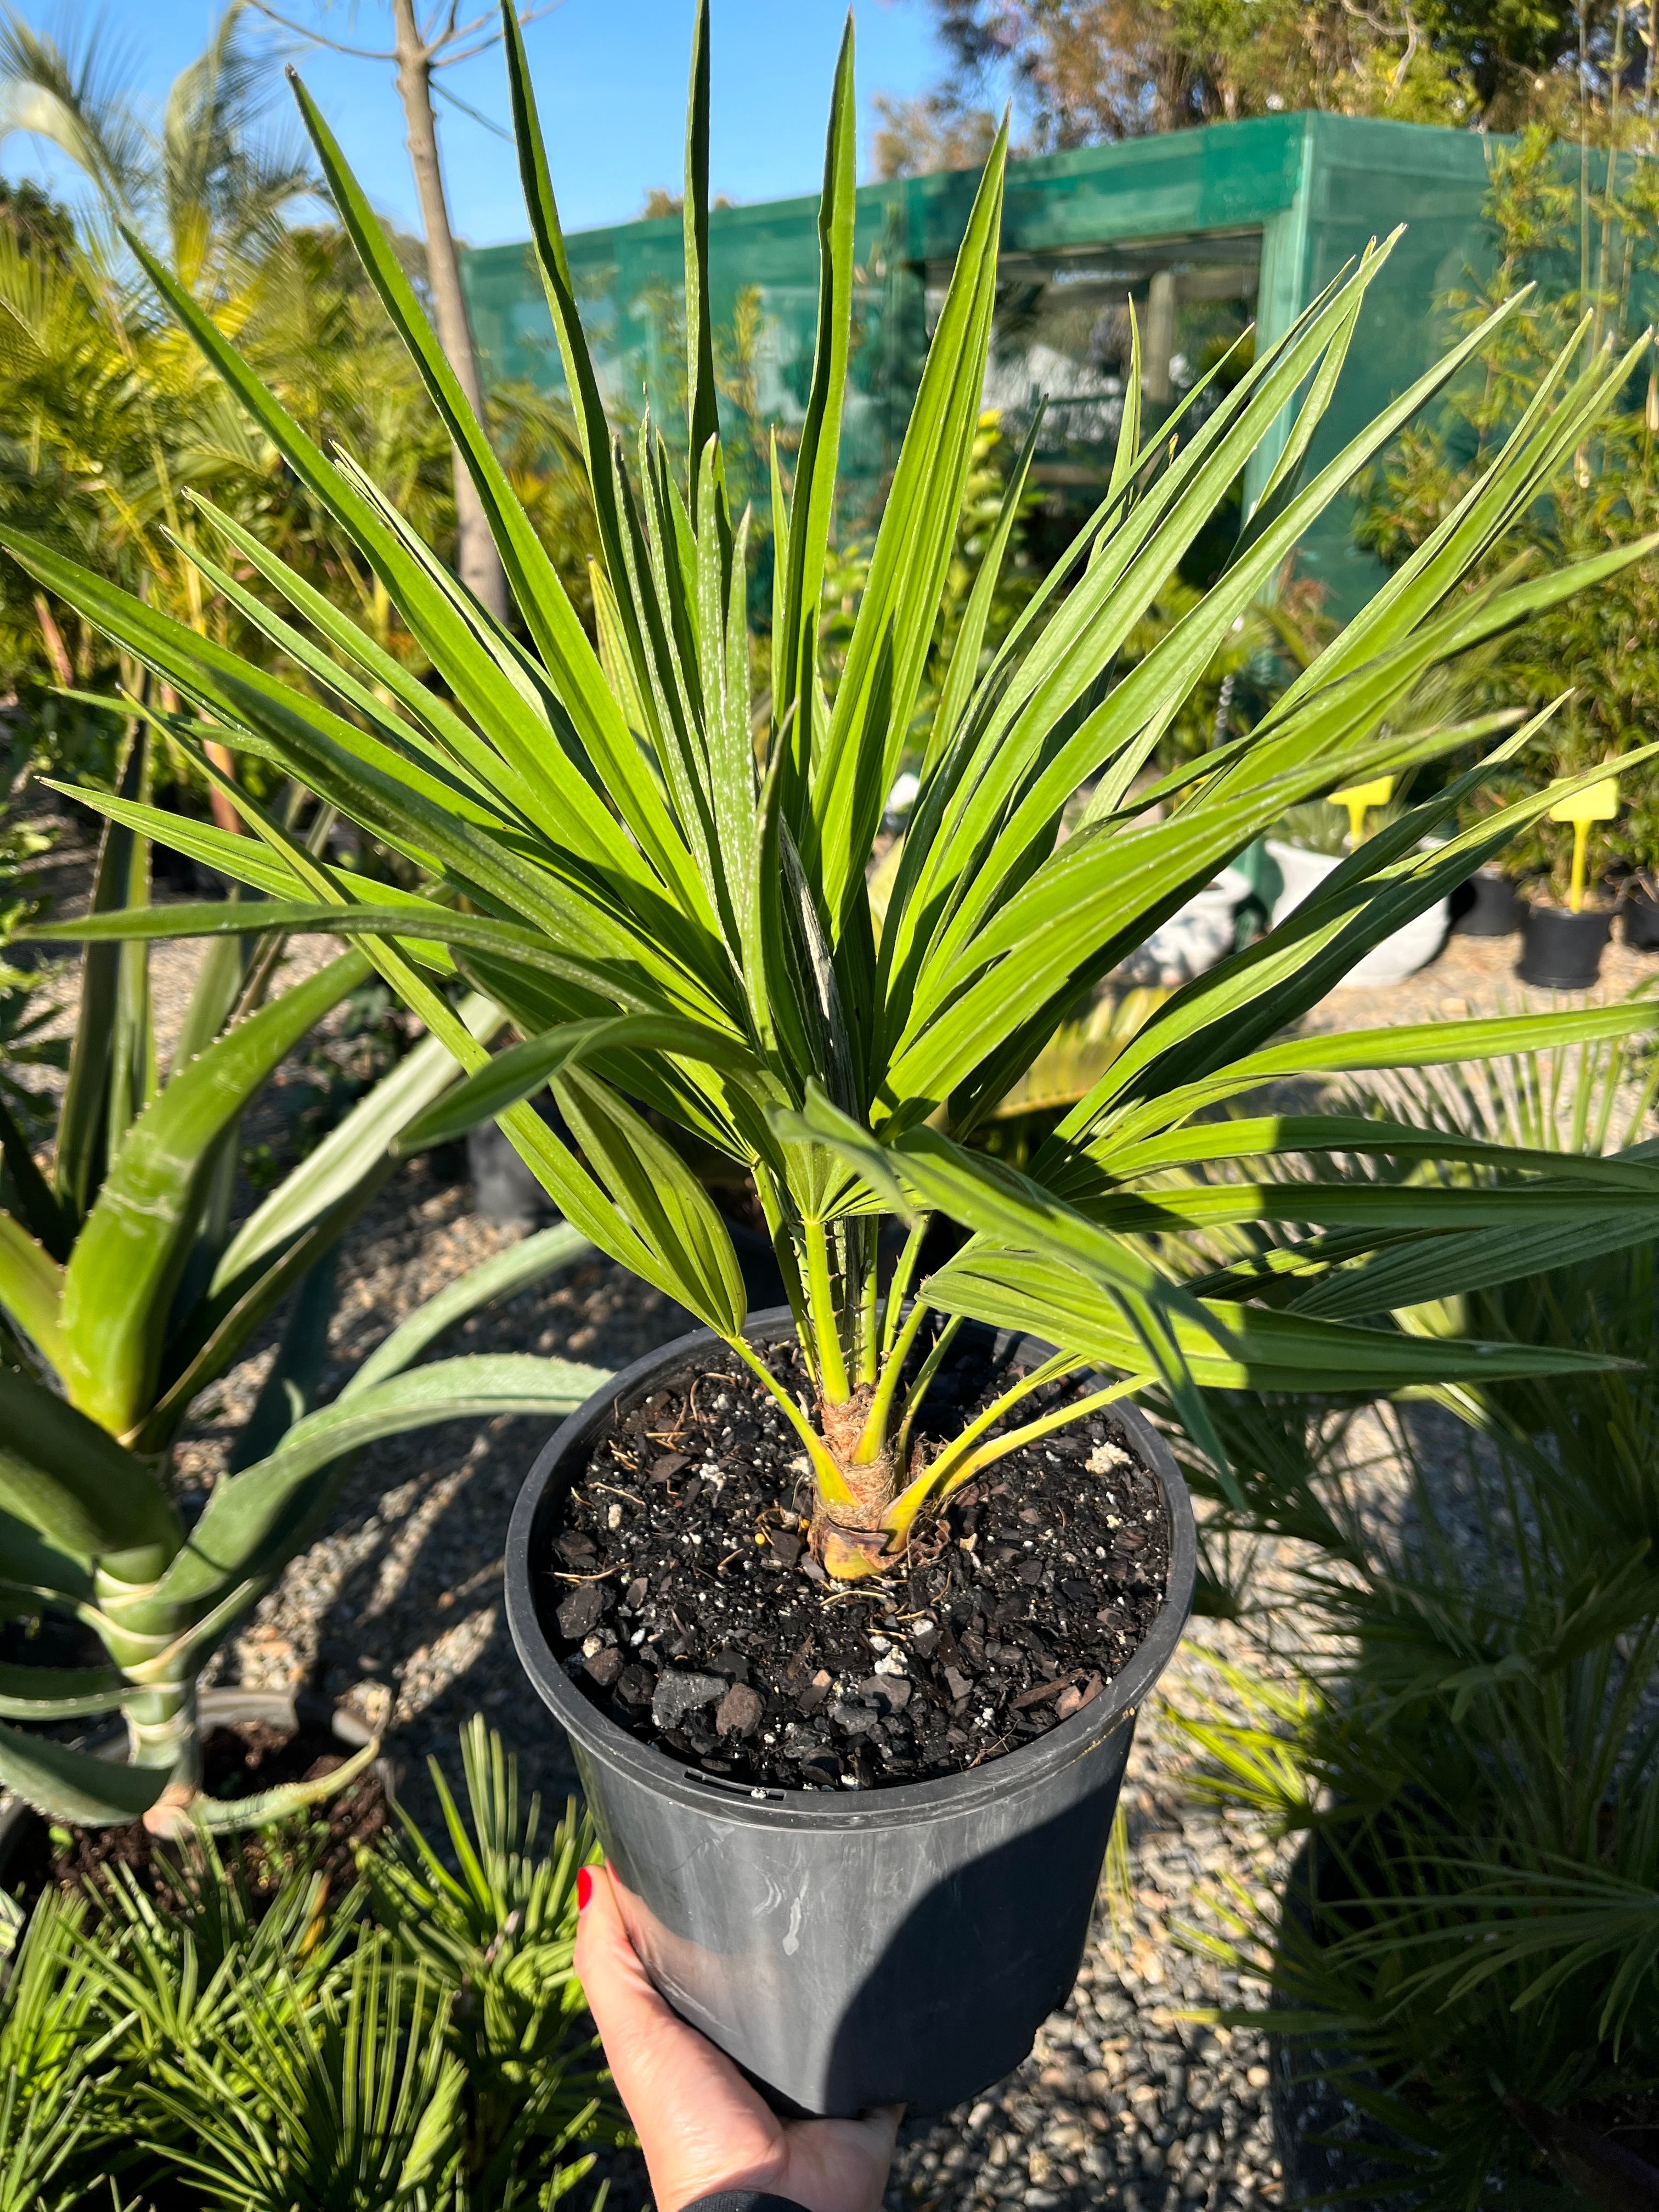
(739, 1712)
(584, 1608)
(678, 1694)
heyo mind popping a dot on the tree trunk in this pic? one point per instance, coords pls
(478, 562)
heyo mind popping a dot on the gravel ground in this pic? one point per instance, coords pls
(1126, 2100)
(1475, 977)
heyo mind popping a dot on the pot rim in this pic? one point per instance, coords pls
(769, 1806)
(1552, 914)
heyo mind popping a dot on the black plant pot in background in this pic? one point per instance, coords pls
(1640, 919)
(1487, 905)
(504, 1190)
(1562, 952)
(895, 1945)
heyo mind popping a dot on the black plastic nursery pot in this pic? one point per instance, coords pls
(1487, 905)
(1562, 952)
(893, 1946)
(1639, 916)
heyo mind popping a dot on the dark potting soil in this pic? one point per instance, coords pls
(236, 1762)
(687, 1606)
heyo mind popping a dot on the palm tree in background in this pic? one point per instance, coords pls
(211, 187)
(109, 423)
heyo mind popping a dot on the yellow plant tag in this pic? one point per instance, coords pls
(1597, 802)
(1358, 798)
(1377, 792)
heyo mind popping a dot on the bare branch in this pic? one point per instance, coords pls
(436, 42)
(316, 37)
(436, 49)
(1398, 76)
(466, 108)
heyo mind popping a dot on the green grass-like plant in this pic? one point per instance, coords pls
(408, 2041)
(663, 877)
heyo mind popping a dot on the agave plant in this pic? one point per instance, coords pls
(664, 881)
(128, 1289)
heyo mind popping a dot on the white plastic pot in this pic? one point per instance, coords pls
(1396, 956)
(1193, 938)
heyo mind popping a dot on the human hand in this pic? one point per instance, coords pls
(702, 2127)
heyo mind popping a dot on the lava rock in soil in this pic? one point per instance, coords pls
(719, 1639)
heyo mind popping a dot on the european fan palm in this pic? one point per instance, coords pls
(673, 903)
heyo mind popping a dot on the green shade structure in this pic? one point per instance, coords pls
(1205, 231)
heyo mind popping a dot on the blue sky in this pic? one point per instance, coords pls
(610, 80)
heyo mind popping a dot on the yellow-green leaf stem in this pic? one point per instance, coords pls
(1052, 1370)
(831, 1482)
(920, 1388)
(898, 1289)
(832, 1361)
(868, 1331)
(873, 1441)
(929, 1489)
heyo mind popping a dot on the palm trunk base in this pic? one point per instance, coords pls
(849, 1539)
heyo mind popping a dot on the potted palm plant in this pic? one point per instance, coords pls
(830, 1859)
(128, 1288)
(1563, 938)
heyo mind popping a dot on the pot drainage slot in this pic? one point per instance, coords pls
(732, 1788)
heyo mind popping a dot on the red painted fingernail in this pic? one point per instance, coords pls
(584, 1887)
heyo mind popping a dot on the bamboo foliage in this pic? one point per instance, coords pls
(676, 917)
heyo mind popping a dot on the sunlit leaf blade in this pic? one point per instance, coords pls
(893, 630)
(75, 1786)
(63, 1475)
(31, 1287)
(245, 1510)
(129, 1255)
(502, 1276)
(523, 1069)
(804, 541)
(117, 876)
(58, 1693)
(1237, 1347)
